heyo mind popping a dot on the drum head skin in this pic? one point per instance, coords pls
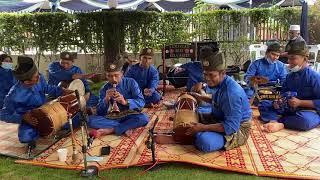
(77, 84)
(186, 101)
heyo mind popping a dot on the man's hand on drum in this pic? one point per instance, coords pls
(28, 118)
(194, 128)
(119, 98)
(197, 87)
(147, 92)
(66, 91)
(196, 95)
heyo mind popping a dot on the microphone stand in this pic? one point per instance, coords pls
(89, 171)
(151, 143)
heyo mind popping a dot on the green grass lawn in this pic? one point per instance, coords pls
(11, 170)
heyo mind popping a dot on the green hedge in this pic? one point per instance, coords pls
(61, 31)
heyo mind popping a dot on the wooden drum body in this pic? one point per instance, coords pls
(53, 115)
(185, 115)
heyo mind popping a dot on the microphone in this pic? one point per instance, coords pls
(88, 170)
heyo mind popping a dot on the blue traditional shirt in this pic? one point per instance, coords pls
(306, 83)
(230, 105)
(145, 77)
(261, 67)
(130, 90)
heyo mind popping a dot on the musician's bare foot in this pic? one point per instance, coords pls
(272, 126)
(263, 127)
(104, 132)
(129, 132)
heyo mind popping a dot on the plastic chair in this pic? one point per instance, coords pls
(313, 56)
(313, 52)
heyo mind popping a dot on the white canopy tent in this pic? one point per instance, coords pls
(96, 5)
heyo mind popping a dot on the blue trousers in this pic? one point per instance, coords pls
(154, 98)
(209, 141)
(302, 120)
(28, 133)
(120, 125)
(267, 112)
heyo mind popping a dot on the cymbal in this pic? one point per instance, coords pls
(264, 91)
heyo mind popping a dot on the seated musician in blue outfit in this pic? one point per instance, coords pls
(147, 77)
(231, 114)
(27, 94)
(66, 71)
(7, 79)
(204, 109)
(120, 104)
(269, 67)
(299, 106)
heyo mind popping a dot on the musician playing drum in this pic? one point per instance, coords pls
(29, 93)
(204, 109)
(65, 70)
(269, 67)
(303, 107)
(231, 114)
(128, 97)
